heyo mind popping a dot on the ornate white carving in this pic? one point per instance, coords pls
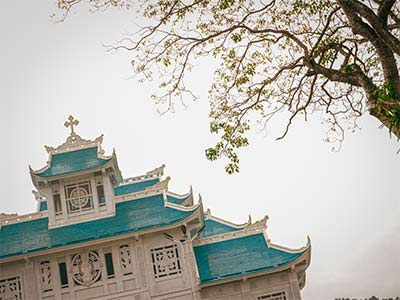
(45, 276)
(162, 185)
(149, 175)
(38, 196)
(166, 261)
(258, 224)
(126, 259)
(74, 142)
(249, 220)
(86, 268)
(71, 122)
(79, 197)
(157, 171)
(10, 289)
(4, 216)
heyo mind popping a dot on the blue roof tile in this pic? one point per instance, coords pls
(213, 227)
(131, 216)
(134, 187)
(239, 256)
(175, 200)
(74, 161)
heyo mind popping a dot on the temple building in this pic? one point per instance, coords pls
(98, 235)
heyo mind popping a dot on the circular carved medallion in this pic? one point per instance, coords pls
(80, 197)
(86, 268)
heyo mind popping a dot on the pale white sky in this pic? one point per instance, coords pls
(347, 202)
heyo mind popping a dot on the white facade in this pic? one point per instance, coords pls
(148, 263)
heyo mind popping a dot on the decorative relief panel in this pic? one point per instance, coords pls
(45, 276)
(10, 288)
(166, 261)
(126, 259)
(78, 197)
(273, 296)
(86, 268)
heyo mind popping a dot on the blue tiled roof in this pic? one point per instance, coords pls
(74, 161)
(131, 216)
(175, 200)
(213, 227)
(237, 257)
(43, 206)
(134, 187)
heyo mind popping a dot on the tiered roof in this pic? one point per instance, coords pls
(227, 251)
(223, 250)
(131, 216)
(240, 257)
(74, 161)
(75, 155)
(134, 187)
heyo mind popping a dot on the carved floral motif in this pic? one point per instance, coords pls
(74, 141)
(166, 261)
(86, 268)
(126, 259)
(162, 185)
(157, 171)
(10, 288)
(258, 224)
(45, 276)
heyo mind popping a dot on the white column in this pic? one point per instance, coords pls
(117, 268)
(94, 195)
(46, 191)
(29, 283)
(294, 286)
(63, 202)
(108, 193)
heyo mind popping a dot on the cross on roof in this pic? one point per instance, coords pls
(71, 122)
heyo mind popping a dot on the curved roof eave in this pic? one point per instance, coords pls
(106, 161)
(305, 252)
(306, 255)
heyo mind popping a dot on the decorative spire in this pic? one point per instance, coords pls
(74, 141)
(157, 171)
(258, 224)
(38, 196)
(71, 122)
(162, 185)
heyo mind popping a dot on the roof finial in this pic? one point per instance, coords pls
(71, 122)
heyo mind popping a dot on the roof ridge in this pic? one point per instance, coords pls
(209, 216)
(217, 238)
(152, 174)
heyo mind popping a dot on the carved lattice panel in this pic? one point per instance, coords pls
(78, 197)
(166, 261)
(126, 259)
(45, 276)
(11, 289)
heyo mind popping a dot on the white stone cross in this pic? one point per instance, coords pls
(71, 122)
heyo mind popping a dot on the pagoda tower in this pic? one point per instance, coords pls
(98, 235)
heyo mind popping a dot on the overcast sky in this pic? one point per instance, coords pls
(348, 202)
